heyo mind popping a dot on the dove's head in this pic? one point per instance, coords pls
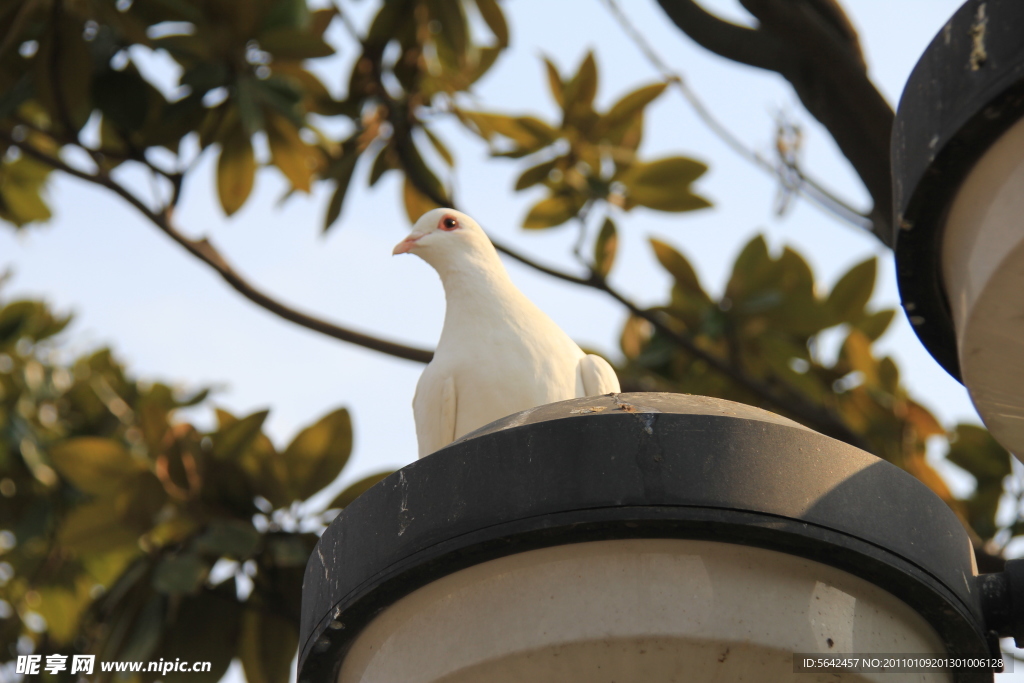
(445, 236)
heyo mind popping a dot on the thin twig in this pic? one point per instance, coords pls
(208, 254)
(808, 187)
(581, 220)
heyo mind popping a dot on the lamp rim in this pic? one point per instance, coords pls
(964, 93)
(638, 466)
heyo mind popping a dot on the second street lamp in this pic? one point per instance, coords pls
(958, 187)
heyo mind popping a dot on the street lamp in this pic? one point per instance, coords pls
(640, 537)
(958, 180)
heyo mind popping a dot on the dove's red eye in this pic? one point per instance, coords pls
(448, 223)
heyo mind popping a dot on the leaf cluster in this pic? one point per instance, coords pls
(114, 511)
(241, 72)
(589, 155)
(771, 322)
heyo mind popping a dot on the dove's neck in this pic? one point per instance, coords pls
(477, 288)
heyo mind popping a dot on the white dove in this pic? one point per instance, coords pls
(498, 353)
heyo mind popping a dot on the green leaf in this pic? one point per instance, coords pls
(320, 20)
(623, 111)
(386, 24)
(290, 153)
(266, 646)
(888, 375)
(230, 441)
(71, 74)
(317, 455)
(285, 14)
(856, 354)
(486, 57)
(677, 265)
(664, 184)
(15, 96)
(204, 627)
(95, 527)
(415, 202)
(495, 19)
(752, 272)
(973, 448)
(236, 170)
(381, 164)
(232, 538)
(123, 97)
(287, 550)
(538, 129)
(522, 130)
(454, 31)
(875, 324)
(21, 184)
(555, 82)
(849, 296)
(552, 211)
(146, 626)
(345, 498)
(341, 173)
(62, 607)
(535, 174)
(442, 150)
(179, 574)
(583, 86)
(248, 93)
(205, 76)
(292, 43)
(605, 247)
(282, 94)
(92, 464)
(417, 171)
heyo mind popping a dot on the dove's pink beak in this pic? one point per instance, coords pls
(407, 244)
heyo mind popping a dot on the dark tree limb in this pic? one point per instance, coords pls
(740, 44)
(208, 254)
(813, 46)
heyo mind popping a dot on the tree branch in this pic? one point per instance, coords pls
(791, 177)
(813, 415)
(812, 45)
(726, 39)
(208, 254)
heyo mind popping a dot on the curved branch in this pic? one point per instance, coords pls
(208, 254)
(753, 47)
(807, 186)
(812, 45)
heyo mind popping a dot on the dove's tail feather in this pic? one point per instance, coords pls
(595, 377)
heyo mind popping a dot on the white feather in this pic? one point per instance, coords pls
(498, 353)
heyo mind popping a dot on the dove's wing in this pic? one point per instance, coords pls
(434, 408)
(596, 376)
